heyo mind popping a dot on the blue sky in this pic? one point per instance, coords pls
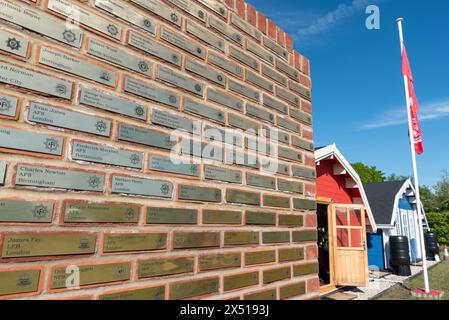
(357, 85)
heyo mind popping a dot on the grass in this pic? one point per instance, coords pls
(438, 278)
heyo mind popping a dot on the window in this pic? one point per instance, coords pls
(349, 224)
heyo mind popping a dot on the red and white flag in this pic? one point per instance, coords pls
(413, 102)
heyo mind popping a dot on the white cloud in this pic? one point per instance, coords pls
(431, 111)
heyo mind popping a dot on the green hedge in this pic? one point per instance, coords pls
(439, 223)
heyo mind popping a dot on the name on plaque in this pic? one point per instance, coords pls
(276, 237)
(242, 197)
(80, 67)
(2, 172)
(288, 124)
(227, 136)
(191, 8)
(259, 113)
(260, 181)
(222, 174)
(14, 44)
(260, 218)
(26, 211)
(216, 6)
(225, 64)
(9, 106)
(92, 152)
(152, 293)
(179, 80)
(41, 22)
(73, 120)
(277, 49)
(35, 81)
(244, 90)
(301, 116)
(29, 141)
(205, 72)
(260, 52)
(287, 96)
(126, 12)
(296, 87)
(221, 217)
(244, 58)
(187, 240)
(242, 159)
(303, 172)
(289, 154)
(45, 177)
(274, 75)
(47, 244)
(205, 35)
(120, 57)
(203, 110)
(304, 204)
(259, 81)
(241, 238)
(224, 99)
(166, 165)
(154, 48)
(164, 267)
(286, 69)
(260, 257)
(196, 288)
(220, 261)
(199, 193)
(121, 242)
(276, 202)
(246, 27)
(225, 30)
(275, 104)
(85, 17)
(112, 103)
(171, 216)
(243, 123)
(291, 220)
(145, 137)
(202, 150)
(182, 43)
(173, 121)
(21, 281)
(141, 187)
(302, 144)
(161, 10)
(290, 186)
(150, 92)
(92, 274)
(85, 212)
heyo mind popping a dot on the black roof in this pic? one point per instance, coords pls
(381, 198)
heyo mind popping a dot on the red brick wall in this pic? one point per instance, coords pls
(270, 254)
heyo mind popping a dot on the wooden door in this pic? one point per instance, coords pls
(349, 245)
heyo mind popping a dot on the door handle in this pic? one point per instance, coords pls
(364, 245)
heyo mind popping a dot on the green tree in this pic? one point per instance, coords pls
(368, 174)
(428, 199)
(394, 177)
(442, 193)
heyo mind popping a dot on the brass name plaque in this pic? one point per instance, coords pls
(122, 242)
(275, 104)
(260, 218)
(221, 217)
(161, 10)
(304, 236)
(267, 295)
(222, 174)
(276, 202)
(290, 186)
(244, 58)
(219, 261)
(203, 110)
(274, 75)
(165, 267)
(259, 181)
(141, 187)
(205, 35)
(166, 165)
(16, 282)
(295, 254)
(26, 211)
(225, 30)
(173, 121)
(285, 68)
(224, 99)
(276, 237)
(301, 116)
(225, 64)
(191, 8)
(302, 144)
(2, 172)
(288, 96)
(303, 172)
(260, 113)
(179, 80)
(14, 44)
(242, 197)
(152, 293)
(240, 281)
(182, 42)
(260, 257)
(146, 137)
(246, 27)
(84, 212)
(259, 81)
(194, 288)
(172, 216)
(186, 192)
(293, 290)
(290, 220)
(183, 240)
(277, 49)
(241, 238)
(260, 52)
(205, 72)
(275, 275)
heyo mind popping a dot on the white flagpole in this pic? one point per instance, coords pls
(415, 169)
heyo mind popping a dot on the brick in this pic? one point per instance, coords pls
(251, 15)
(240, 6)
(272, 28)
(311, 221)
(262, 22)
(312, 252)
(280, 37)
(313, 285)
(230, 4)
(289, 42)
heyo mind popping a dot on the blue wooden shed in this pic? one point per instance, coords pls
(393, 205)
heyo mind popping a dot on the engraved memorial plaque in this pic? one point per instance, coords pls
(71, 64)
(259, 113)
(152, 293)
(85, 212)
(301, 116)
(290, 220)
(303, 172)
(98, 153)
(182, 42)
(141, 187)
(267, 295)
(260, 181)
(276, 237)
(222, 217)
(194, 288)
(172, 121)
(26, 211)
(244, 58)
(40, 22)
(44, 177)
(202, 150)
(242, 159)
(47, 244)
(192, 193)
(179, 80)
(14, 44)
(171, 216)
(154, 48)
(166, 165)
(260, 218)
(36, 81)
(246, 27)
(161, 10)
(287, 255)
(15, 139)
(216, 6)
(205, 72)
(274, 75)
(225, 64)
(205, 35)
(122, 242)
(287, 69)
(304, 236)
(226, 30)
(260, 52)
(276, 202)
(92, 274)
(291, 291)
(242, 197)
(241, 238)
(273, 46)
(222, 174)
(299, 89)
(191, 8)
(290, 186)
(240, 281)
(165, 267)
(227, 135)
(185, 240)
(243, 123)
(144, 137)
(305, 269)
(19, 281)
(120, 57)
(224, 99)
(253, 78)
(150, 92)
(203, 110)
(2, 172)
(287, 96)
(304, 204)
(260, 257)
(302, 144)
(112, 103)
(124, 11)
(73, 120)
(270, 276)
(85, 17)
(288, 124)
(275, 104)
(219, 261)
(9, 106)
